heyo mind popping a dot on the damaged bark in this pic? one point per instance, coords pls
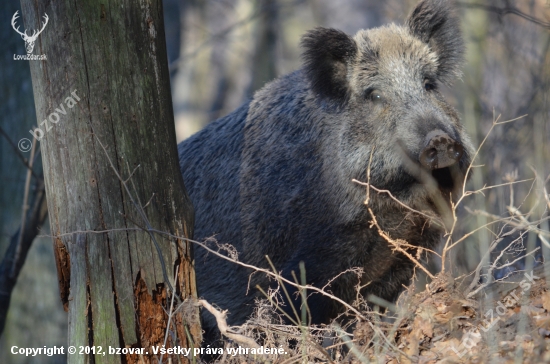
(112, 176)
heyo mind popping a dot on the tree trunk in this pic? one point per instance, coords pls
(104, 96)
(263, 62)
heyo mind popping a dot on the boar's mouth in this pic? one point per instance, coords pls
(444, 179)
(448, 179)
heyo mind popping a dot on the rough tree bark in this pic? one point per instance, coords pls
(105, 84)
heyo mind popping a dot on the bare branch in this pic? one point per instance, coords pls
(226, 329)
(504, 11)
(431, 217)
(397, 246)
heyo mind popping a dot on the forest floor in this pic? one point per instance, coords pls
(503, 322)
(506, 322)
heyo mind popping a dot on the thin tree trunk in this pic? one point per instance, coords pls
(20, 244)
(104, 92)
(263, 63)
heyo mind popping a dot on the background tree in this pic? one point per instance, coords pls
(110, 168)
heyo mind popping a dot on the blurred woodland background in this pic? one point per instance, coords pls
(221, 51)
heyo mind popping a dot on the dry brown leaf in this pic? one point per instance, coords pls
(448, 348)
(545, 298)
(424, 320)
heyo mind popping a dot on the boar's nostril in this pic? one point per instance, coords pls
(455, 150)
(440, 151)
(429, 157)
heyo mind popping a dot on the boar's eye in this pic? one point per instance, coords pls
(429, 85)
(374, 95)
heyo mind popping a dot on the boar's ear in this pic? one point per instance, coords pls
(327, 53)
(435, 23)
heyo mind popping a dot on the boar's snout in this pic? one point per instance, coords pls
(440, 151)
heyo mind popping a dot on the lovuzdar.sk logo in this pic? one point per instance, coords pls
(29, 40)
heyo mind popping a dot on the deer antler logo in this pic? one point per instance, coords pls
(29, 40)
